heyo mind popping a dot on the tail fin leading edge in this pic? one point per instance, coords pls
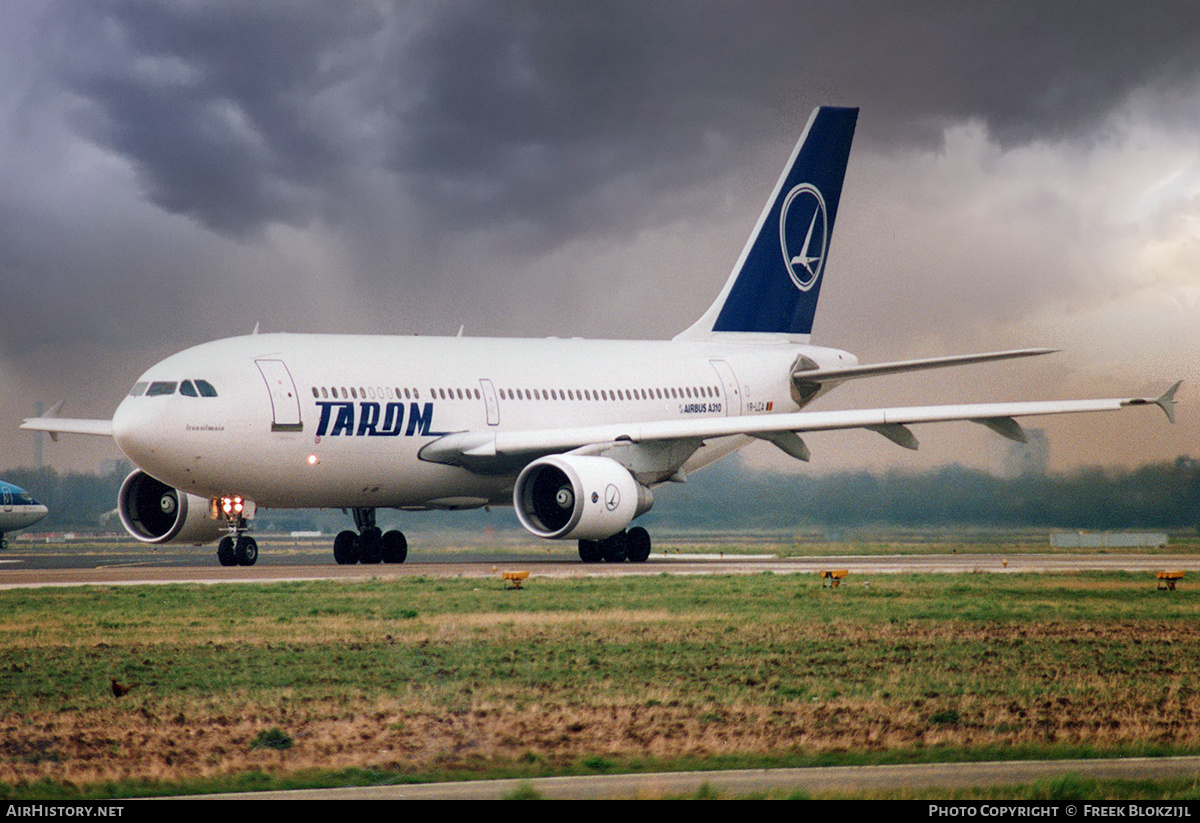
(776, 281)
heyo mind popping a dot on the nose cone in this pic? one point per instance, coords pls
(140, 430)
(125, 429)
(37, 513)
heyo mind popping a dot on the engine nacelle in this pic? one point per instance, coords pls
(153, 512)
(578, 496)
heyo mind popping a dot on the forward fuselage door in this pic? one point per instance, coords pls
(733, 392)
(490, 402)
(8, 499)
(285, 402)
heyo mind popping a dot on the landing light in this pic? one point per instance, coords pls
(313, 460)
(232, 505)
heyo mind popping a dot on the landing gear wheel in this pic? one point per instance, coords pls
(589, 551)
(614, 548)
(345, 548)
(225, 553)
(370, 546)
(395, 547)
(637, 545)
(246, 551)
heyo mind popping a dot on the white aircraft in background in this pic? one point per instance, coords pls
(18, 509)
(574, 434)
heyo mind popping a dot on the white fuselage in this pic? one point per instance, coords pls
(303, 420)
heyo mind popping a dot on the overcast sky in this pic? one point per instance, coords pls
(1024, 174)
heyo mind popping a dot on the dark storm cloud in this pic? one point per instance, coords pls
(533, 110)
(570, 117)
(224, 108)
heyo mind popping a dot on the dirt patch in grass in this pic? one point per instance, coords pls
(622, 617)
(768, 690)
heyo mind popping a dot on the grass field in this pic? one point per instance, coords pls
(256, 686)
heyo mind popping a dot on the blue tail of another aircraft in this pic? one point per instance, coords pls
(776, 281)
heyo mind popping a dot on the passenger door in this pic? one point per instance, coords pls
(285, 402)
(490, 402)
(733, 392)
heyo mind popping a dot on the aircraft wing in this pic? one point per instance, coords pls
(476, 449)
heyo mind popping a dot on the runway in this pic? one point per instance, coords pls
(744, 782)
(31, 564)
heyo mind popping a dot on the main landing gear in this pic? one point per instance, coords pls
(369, 544)
(632, 545)
(237, 549)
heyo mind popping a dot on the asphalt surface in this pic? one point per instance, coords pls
(30, 563)
(748, 782)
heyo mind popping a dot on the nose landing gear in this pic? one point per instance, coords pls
(237, 549)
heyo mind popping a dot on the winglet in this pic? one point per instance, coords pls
(1166, 401)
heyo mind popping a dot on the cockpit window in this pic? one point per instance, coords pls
(205, 388)
(160, 387)
(138, 389)
(187, 389)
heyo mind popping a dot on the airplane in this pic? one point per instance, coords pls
(18, 509)
(577, 435)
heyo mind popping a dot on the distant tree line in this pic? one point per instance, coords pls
(76, 501)
(1159, 496)
(731, 495)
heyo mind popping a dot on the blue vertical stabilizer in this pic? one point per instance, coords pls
(776, 282)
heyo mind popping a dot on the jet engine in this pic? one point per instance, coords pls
(578, 496)
(153, 512)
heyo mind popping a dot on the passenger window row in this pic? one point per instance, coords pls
(451, 394)
(390, 393)
(370, 392)
(669, 393)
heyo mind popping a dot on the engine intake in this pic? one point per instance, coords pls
(153, 512)
(577, 496)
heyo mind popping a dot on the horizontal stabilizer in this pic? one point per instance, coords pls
(65, 425)
(819, 375)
